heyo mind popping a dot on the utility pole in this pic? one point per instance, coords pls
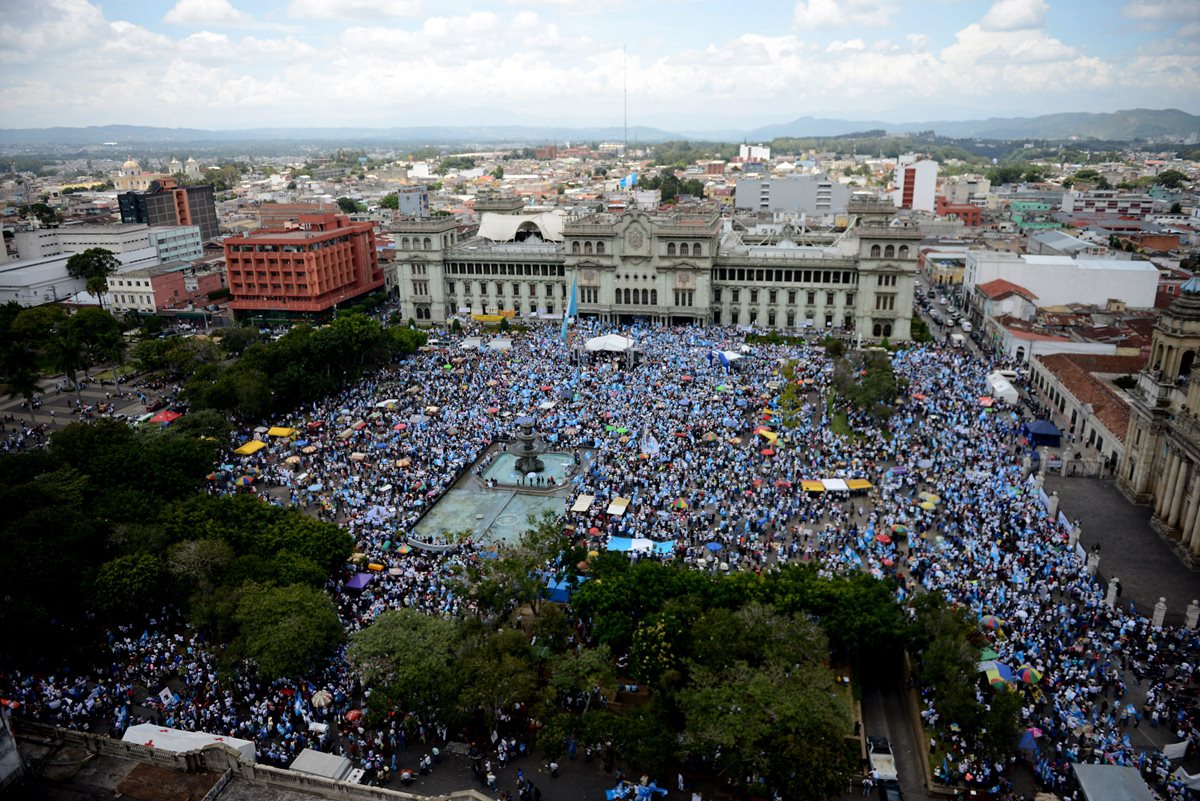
(625, 95)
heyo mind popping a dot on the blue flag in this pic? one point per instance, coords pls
(572, 307)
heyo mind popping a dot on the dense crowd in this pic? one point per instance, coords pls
(714, 470)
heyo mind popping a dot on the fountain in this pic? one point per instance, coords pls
(527, 447)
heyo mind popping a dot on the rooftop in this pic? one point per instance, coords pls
(1000, 289)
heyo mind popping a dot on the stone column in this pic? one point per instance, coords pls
(1163, 486)
(1181, 483)
(1189, 519)
(1093, 563)
(1073, 537)
(1192, 615)
(1160, 611)
(1026, 466)
(1052, 508)
(1110, 597)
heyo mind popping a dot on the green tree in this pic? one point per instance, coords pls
(93, 263)
(408, 655)
(498, 173)
(68, 354)
(199, 563)
(128, 583)
(348, 205)
(390, 201)
(286, 631)
(1172, 179)
(1005, 174)
(22, 379)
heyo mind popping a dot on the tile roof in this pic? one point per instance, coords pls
(1077, 373)
(999, 289)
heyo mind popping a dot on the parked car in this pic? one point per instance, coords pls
(966, 326)
(890, 791)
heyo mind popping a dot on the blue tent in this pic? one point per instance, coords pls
(1042, 432)
(559, 592)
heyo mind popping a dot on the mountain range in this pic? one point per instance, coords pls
(1124, 125)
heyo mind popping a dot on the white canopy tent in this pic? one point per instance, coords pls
(327, 766)
(1002, 389)
(612, 343)
(177, 741)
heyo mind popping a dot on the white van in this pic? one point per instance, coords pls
(957, 340)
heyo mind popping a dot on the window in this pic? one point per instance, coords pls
(828, 298)
(716, 294)
(645, 297)
(575, 248)
(875, 251)
(733, 317)
(848, 322)
(670, 248)
(428, 243)
(771, 318)
(829, 321)
(587, 248)
(885, 302)
(737, 295)
(450, 287)
(849, 298)
(791, 296)
(903, 252)
(627, 301)
(654, 297)
(600, 248)
(812, 298)
(791, 319)
(696, 249)
(516, 290)
(772, 296)
(754, 296)
(889, 252)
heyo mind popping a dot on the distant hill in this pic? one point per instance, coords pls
(1138, 123)
(425, 135)
(1114, 126)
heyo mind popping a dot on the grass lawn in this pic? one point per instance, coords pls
(111, 373)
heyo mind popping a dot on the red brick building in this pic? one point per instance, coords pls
(309, 269)
(970, 215)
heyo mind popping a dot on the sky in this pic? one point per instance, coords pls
(687, 64)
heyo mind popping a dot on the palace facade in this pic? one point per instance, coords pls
(662, 269)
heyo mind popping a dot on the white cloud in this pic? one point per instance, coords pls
(337, 9)
(851, 44)
(1015, 15)
(837, 13)
(1162, 9)
(917, 40)
(205, 12)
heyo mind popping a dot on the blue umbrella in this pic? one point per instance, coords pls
(316, 487)
(300, 443)
(714, 546)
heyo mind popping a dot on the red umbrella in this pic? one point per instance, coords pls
(165, 416)
(546, 387)
(353, 715)
(767, 452)
(782, 483)
(686, 378)
(315, 424)
(593, 530)
(493, 409)
(883, 538)
(400, 426)
(757, 482)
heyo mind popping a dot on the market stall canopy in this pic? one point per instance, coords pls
(1042, 432)
(251, 447)
(280, 431)
(858, 484)
(500, 343)
(641, 545)
(612, 343)
(618, 506)
(1112, 783)
(583, 503)
(387, 404)
(177, 741)
(165, 416)
(835, 485)
(812, 486)
(359, 581)
(470, 343)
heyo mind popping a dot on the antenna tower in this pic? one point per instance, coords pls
(625, 94)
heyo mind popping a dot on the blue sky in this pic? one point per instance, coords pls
(689, 64)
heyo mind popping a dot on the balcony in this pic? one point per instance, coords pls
(1160, 392)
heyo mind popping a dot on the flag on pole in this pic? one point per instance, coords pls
(572, 308)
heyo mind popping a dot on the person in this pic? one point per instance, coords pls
(553, 766)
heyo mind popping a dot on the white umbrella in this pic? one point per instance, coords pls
(321, 699)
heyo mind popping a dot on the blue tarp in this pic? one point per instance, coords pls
(1042, 432)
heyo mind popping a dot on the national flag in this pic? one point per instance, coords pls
(723, 359)
(572, 307)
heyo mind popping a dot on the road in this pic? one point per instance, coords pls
(884, 716)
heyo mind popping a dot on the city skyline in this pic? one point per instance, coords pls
(226, 64)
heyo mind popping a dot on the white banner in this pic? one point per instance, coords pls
(1175, 750)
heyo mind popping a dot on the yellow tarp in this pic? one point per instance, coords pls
(253, 446)
(280, 431)
(486, 318)
(858, 484)
(812, 486)
(618, 506)
(583, 503)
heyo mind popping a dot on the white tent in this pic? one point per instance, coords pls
(318, 763)
(471, 343)
(612, 343)
(835, 485)
(1002, 389)
(177, 741)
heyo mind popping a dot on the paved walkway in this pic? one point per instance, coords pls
(1129, 548)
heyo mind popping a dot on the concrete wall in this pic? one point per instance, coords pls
(1061, 280)
(810, 194)
(222, 759)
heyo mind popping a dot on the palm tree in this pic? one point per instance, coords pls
(67, 352)
(23, 381)
(98, 285)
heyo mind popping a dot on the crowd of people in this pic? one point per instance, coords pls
(714, 469)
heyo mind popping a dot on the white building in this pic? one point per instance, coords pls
(916, 183)
(754, 153)
(176, 242)
(117, 237)
(32, 282)
(1061, 280)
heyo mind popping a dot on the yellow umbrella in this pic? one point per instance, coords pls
(927, 506)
